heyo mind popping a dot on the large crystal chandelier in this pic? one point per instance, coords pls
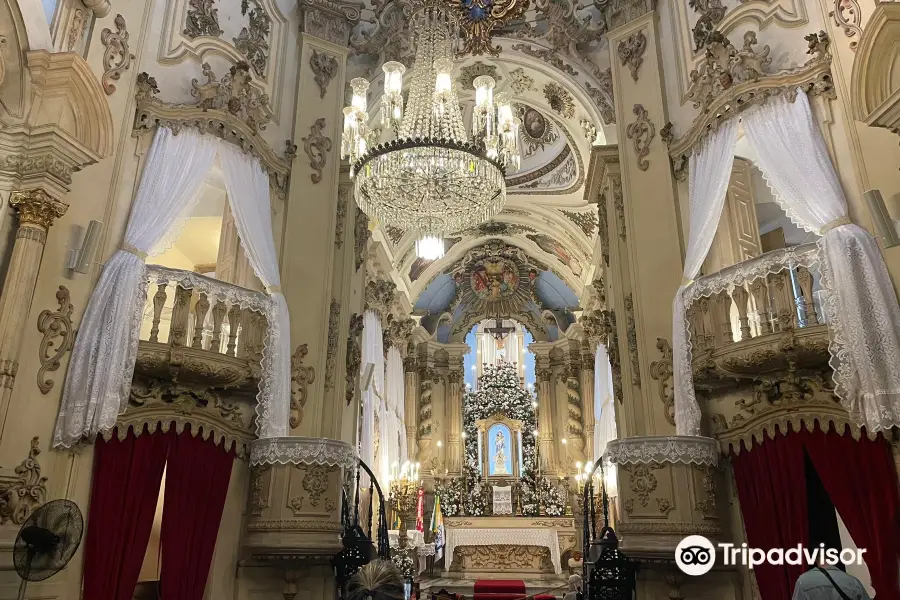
(430, 179)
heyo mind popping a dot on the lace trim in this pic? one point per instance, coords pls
(785, 205)
(226, 292)
(770, 263)
(672, 449)
(246, 299)
(302, 451)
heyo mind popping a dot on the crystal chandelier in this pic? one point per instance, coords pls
(430, 179)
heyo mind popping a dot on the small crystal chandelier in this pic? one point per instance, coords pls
(430, 179)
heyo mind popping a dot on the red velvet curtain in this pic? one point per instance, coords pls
(125, 489)
(196, 485)
(860, 479)
(771, 487)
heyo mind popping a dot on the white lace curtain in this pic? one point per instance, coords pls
(372, 353)
(247, 185)
(102, 367)
(859, 300)
(394, 382)
(604, 403)
(710, 170)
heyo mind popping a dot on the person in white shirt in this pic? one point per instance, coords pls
(827, 582)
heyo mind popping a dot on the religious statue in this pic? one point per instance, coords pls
(500, 454)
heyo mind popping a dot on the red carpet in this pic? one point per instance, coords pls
(502, 589)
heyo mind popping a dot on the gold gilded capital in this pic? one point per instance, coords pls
(37, 207)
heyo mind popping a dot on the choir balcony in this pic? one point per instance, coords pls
(199, 356)
(760, 345)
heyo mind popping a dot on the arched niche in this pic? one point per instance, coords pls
(875, 83)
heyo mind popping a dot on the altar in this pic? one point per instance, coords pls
(523, 546)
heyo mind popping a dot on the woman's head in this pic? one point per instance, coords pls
(378, 580)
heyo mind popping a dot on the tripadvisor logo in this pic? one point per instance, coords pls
(696, 555)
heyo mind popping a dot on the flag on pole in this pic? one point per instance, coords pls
(437, 528)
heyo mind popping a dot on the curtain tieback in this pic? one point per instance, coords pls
(686, 281)
(845, 220)
(273, 289)
(132, 250)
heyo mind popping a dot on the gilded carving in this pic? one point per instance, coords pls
(253, 40)
(631, 52)
(615, 184)
(202, 19)
(315, 483)
(259, 497)
(521, 82)
(724, 66)
(316, 147)
(468, 74)
(334, 316)
(586, 221)
(631, 330)
(361, 235)
(379, 298)
(301, 376)
(575, 413)
(295, 503)
(25, 166)
(661, 371)
(117, 57)
(425, 394)
(36, 207)
(26, 492)
(642, 480)
(479, 20)
(502, 557)
(324, 67)
(665, 506)
(642, 131)
(235, 94)
(354, 355)
(707, 506)
(398, 333)
(559, 100)
(59, 337)
(711, 14)
(341, 217)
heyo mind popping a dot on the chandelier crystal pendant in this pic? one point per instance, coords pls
(430, 179)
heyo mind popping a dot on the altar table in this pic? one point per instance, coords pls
(544, 537)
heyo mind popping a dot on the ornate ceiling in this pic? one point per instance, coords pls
(553, 60)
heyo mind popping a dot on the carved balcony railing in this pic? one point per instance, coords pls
(199, 357)
(760, 345)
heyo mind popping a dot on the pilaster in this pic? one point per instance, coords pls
(647, 264)
(325, 293)
(546, 437)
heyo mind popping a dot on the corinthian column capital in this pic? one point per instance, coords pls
(36, 207)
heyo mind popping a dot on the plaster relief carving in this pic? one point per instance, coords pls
(631, 52)
(619, 205)
(316, 147)
(847, 16)
(586, 221)
(59, 337)
(27, 491)
(301, 377)
(548, 56)
(661, 371)
(642, 480)
(117, 57)
(361, 235)
(315, 483)
(259, 496)
(521, 82)
(724, 66)
(334, 315)
(711, 14)
(425, 404)
(234, 94)
(324, 67)
(253, 40)
(354, 355)
(632, 341)
(202, 19)
(499, 557)
(707, 506)
(559, 100)
(341, 217)
(80, 21)
(642, 131)
(665, 506)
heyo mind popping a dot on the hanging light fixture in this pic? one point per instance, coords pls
(430, 178)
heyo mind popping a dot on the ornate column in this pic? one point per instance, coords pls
(455, 378)
(411, 404)
(36, 210)
(587, 397)
(546, 439)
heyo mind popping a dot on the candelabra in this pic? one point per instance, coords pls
(404, 496)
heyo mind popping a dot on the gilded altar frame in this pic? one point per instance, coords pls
(514, 427)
